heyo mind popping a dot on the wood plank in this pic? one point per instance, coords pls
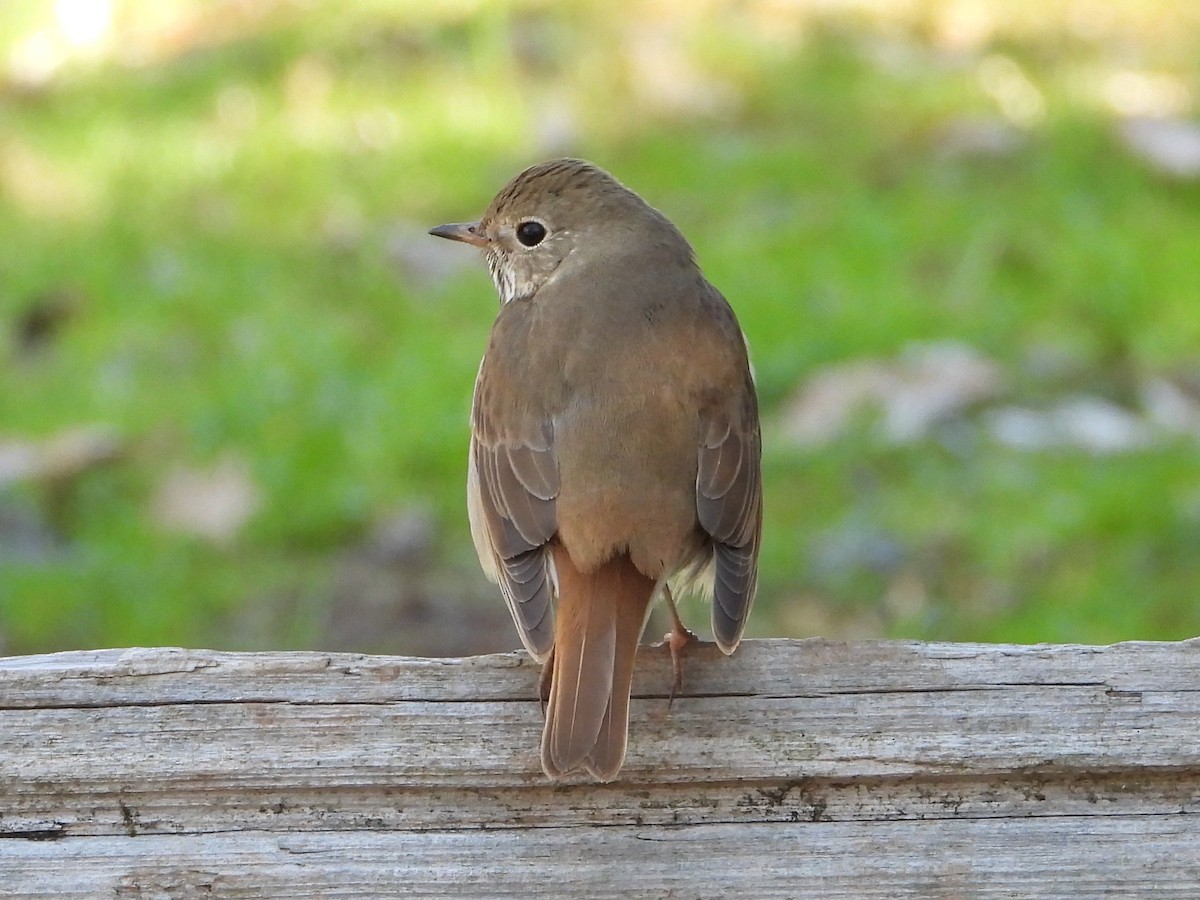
(866, 769)
(1032, 858)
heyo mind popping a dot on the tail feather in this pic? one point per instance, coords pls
(598, 625)
(609, 751)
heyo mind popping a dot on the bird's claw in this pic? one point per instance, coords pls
(677, 640)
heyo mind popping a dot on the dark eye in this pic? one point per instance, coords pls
(531, 233)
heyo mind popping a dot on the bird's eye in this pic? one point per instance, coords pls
(531, 233)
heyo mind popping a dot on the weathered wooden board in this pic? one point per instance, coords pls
(793, 768)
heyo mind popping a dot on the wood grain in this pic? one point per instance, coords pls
(878, 769)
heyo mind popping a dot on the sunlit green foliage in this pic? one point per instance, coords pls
(230, 199)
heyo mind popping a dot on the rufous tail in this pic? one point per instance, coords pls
(597, 627)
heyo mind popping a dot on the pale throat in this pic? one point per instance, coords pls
(503, 276)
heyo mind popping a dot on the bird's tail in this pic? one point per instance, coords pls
(599, 622)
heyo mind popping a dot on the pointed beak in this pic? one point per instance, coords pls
(467, 232)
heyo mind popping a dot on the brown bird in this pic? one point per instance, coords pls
(615, 443)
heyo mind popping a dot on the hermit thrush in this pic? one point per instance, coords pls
(614, 442)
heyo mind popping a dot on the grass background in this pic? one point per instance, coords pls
(228, 202)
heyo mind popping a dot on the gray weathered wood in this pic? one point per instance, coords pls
(793, 768)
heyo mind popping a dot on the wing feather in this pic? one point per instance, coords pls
(511, 489)
(729, 507)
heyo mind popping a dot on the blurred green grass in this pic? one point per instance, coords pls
(235, 210)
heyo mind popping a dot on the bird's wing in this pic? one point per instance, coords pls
(512, 483)
(729, 506)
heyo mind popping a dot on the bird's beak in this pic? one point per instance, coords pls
(467, 232)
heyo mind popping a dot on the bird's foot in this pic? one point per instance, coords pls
(677, 640)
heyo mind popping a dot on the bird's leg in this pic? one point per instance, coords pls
(545, 681)
(677, 640)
